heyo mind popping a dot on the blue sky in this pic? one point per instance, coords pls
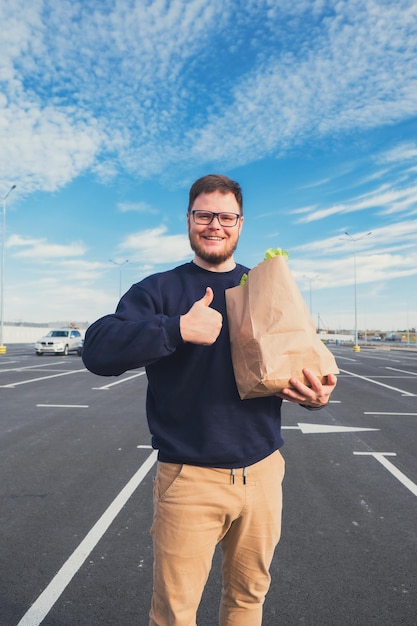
(109, 110)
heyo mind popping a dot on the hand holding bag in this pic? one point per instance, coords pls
(272, 334)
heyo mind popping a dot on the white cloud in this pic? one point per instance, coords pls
(107, 86)
(388, 253)
(156, 247)
(42, 251)
(45, 148)
(400, 153)
(139, 207)
(384, 199)
(60, 300)
(401, 233)
(352, 74)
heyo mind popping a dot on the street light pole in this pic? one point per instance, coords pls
(356, 347)
(310, 279)
(120, 273)
(3, 348)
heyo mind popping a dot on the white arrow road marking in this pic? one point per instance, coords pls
(380, 457)
(41, 607)
(311, 429)
(377, 382)
(330, 401)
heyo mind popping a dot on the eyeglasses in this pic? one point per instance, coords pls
(206, 217)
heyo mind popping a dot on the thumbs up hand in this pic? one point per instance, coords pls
(202, 324)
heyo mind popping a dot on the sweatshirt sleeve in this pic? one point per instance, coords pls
(135, 336)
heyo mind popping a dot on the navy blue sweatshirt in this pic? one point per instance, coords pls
(194, 411)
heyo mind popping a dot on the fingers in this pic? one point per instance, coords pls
(202, 324)
(315, 383)
(316, 394)
(331, 380)
(207, 299)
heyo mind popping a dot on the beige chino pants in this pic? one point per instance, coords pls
(195, 508)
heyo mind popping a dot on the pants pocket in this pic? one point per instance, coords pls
(166, 475)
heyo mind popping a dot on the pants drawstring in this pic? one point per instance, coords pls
(233, 474)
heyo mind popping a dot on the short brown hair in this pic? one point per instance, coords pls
(215, 182)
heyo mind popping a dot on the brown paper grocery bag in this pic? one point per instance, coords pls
(272, 334)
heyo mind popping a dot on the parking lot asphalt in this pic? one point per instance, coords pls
(76, 498)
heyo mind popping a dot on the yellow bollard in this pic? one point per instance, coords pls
(356, 348)
(3, 349)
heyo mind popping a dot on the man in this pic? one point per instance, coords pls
(219, 470)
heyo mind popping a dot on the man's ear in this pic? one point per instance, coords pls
(241, 223)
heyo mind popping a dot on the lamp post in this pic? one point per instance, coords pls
(3, 348)
(120, 265)
(356, 347)
(310, 279)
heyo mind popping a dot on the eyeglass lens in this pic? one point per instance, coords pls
(206, 217)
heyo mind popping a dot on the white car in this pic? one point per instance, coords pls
(60, 341)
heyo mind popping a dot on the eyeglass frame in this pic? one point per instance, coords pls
(213, 215)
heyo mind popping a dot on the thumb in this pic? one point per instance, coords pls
(207, 299)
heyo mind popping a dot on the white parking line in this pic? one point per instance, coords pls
(118, 382)
(380, 456)
(65, 406)
(35, 380)
(385, 413)
(402, 371)
(392, 376)
(377, 382)
(41, 607)
(32, 367)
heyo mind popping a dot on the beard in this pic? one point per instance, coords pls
(214, 258)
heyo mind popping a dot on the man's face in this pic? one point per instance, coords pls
(214, 244)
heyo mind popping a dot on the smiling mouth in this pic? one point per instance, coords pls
(213, 238)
